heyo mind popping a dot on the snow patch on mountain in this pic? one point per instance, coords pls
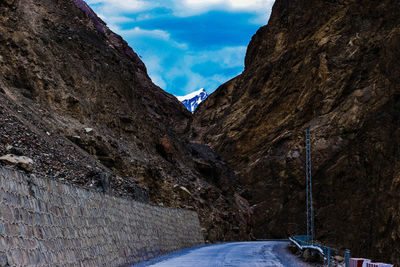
(192, 100)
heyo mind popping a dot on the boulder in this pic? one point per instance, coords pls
(338, 258)
(88, 130)
(307, 255)
(20, 161)
(183, 192)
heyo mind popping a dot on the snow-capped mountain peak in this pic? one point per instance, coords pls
(192, 100)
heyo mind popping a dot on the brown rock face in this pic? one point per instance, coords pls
(332, 66)
(78, 101)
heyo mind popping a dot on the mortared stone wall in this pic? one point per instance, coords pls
(47, 223)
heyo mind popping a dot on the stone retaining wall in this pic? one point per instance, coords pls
(46, 223)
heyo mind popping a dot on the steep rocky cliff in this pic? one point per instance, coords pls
(77, 100)
(333, 66)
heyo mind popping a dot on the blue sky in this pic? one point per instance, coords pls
(187, 44)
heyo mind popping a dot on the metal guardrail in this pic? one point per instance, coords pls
(274, 239)
(303, 242)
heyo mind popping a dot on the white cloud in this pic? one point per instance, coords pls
(237, 5)
(165, 66)
(168, 60)
(152, 34)
(227, 57)
(115, 19)
(159, 34)
(187, 8)
(124, 6)
(155, 70)
(182, 8)
(158, 80)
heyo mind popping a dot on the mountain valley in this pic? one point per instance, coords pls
(77, 101)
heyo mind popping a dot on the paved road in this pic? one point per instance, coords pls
(240, 254)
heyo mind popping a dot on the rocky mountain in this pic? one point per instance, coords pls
(192, 100)
(332, 66)
(77, 103)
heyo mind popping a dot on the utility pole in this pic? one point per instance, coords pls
(310, 213)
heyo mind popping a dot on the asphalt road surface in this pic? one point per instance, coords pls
(239, 254)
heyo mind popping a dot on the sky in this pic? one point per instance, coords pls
(187, 44)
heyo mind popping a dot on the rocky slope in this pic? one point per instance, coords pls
(77, 100)
(332, 66)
